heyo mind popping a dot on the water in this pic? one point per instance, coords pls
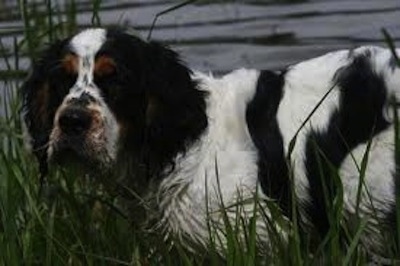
(224, 36)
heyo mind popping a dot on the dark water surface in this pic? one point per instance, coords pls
(232, 34)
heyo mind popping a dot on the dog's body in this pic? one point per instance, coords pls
(193, 143)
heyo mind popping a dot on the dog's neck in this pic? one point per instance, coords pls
(145, 161)
(139, 172)
(217, 150)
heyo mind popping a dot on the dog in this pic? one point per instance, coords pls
(131, 110)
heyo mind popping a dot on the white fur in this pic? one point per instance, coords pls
(88, 42)
(378, 179)
(183, 195)
(226, 146)
(86, 45)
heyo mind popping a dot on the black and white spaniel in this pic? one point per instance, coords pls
(130, 110)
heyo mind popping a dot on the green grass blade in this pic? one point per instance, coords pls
(292, 142)
(354, 243)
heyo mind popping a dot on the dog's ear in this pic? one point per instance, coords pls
(40, 100)
(35, 97)
(175, 106)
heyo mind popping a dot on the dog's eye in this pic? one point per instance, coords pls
(104, 66)
(108, 83)
(61, 76)
(109, 79)
(70, 64)
(105, 71)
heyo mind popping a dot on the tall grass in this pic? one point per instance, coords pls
(72, 220)
(69, 222)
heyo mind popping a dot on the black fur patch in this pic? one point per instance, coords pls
(264, 130)
(358, 118)
(152, 76)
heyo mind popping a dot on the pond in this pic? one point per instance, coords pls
(231, 34)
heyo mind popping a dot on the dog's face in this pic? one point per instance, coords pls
(72, 95)
(85, 127)
(99, 92)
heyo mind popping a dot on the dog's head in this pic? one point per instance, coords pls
(102, 91)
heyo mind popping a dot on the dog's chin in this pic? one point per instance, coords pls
(81, 158)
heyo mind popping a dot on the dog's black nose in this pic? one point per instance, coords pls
(74, 121)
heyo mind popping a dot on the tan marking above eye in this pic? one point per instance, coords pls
(104, 65)
(70, 63)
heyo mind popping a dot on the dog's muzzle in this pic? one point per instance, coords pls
(84, 133)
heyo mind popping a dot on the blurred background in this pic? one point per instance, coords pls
(219, 35)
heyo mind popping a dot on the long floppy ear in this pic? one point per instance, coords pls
(175, 106)
(35, 96)
(40, 103)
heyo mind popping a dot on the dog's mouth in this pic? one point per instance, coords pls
(79, 153)
(68, 150)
